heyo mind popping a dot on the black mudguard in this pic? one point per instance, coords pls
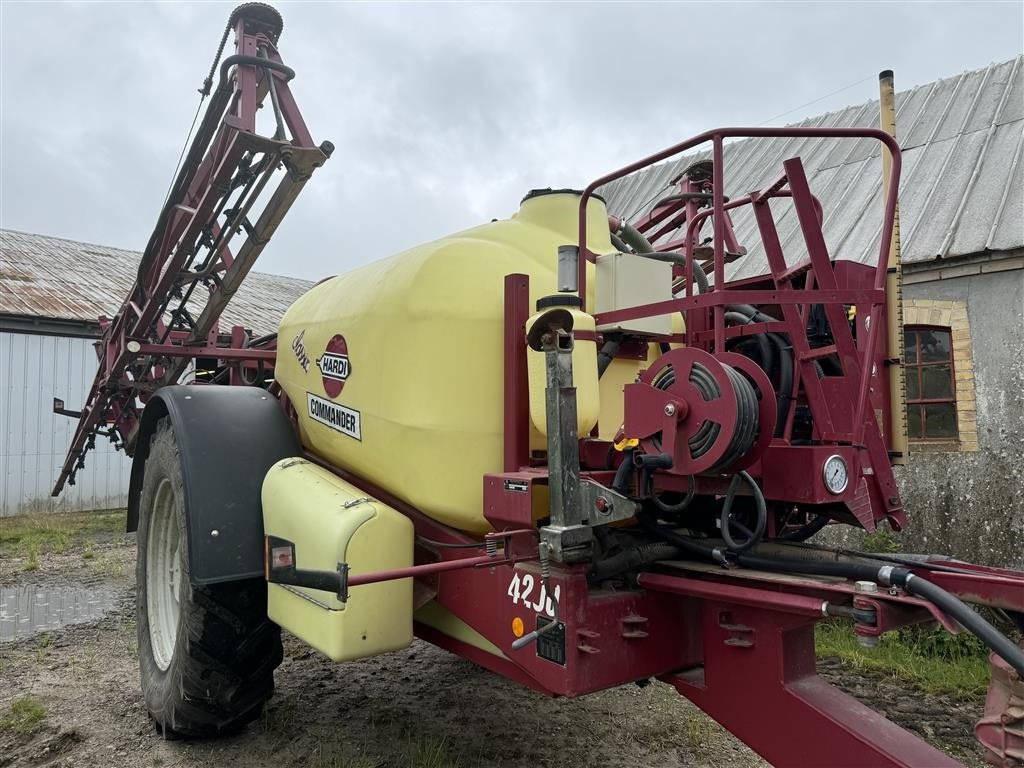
(228, 437)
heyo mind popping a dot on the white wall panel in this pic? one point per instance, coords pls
(34, 440)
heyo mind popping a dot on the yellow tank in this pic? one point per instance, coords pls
(396, 368)
(584, 371)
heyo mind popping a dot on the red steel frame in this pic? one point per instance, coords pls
(738, 643)
(152, 339)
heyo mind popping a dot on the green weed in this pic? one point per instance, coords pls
(44, 647)
(25, 716)
(55, 531)
(108, 566)
(926, 657)
(32, 562)
(330, 754)
(881, 542)
(430, 753)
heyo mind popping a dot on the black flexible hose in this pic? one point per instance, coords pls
(762, 514)
(992, 637)
(899, 577)
(883, 574)
(784, 397)
(624, 472)
(631, 558)
(632, 237)
(608, 351)
(619, 244)
(679, 506)
(806, 531)
(256, 61)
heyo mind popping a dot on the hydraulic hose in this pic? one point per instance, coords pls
(765, 346)
(805, 532)
(899, 577)
(634, 238)
(687, 545)
(619, 244)
(256, 61)
(623, 473)
(608, 351)
(629, 559)
(886, 575)
(762, 514)
(631, 237)
(989, 635)
(679, 506)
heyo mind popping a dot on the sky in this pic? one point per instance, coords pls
(442, 115)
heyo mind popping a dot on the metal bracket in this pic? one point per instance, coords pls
(600, 505)
(281, 569)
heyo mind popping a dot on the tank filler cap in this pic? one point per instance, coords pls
(549, 191)
(559, 300)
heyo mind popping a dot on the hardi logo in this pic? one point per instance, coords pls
(334, 365)
(300, 351)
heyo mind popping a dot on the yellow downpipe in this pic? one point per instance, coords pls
(894, 283)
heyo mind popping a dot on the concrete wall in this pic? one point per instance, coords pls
(33, 440)
(970, 503)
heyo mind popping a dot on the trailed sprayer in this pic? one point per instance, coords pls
(561, 445)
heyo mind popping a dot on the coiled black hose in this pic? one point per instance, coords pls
(707, 434)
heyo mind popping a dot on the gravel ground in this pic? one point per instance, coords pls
(420, 707)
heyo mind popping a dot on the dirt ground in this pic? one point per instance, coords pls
(417, 708)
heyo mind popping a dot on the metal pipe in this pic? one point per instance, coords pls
(755, 132)
(427, 569)
(894, 287)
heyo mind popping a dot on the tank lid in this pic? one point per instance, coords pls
(549, 191)
(559, 300)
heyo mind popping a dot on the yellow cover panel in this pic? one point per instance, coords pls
(330, 522)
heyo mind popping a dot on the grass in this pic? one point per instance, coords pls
(25, 716)
(928, 658)
(32, 559)
(410, 750)
(44, 647)
(108, 566)
(31, 535)
(429, 752)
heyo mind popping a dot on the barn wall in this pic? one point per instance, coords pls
(968, 500)
(33, 439)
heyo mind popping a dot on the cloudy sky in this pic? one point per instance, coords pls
(443, 115)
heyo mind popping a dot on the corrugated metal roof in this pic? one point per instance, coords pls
(50, 277)
(962, 187)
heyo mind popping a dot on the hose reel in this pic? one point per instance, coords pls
(712, 414)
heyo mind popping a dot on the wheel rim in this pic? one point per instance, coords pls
(163, 575)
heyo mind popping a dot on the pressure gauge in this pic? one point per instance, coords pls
(837, 476)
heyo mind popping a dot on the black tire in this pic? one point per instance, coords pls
(221, 668)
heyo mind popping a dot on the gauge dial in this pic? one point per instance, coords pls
(837, 476)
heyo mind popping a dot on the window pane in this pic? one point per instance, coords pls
(934, 345)
(914, 421)
(910, 347)
(913, 386)
(940, 420)
(935, 383)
